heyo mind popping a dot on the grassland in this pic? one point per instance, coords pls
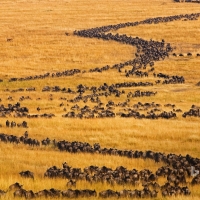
(39, 45)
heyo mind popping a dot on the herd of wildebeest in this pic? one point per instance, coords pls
(177, 169)
(110, 109)
(148, 52)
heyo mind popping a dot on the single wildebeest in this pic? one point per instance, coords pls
(29, 194)
(7, 123)
(27, 174)
(9, 40)
(13, 124)
(54, 192)
(24, 124)
(65, 165)
(15, 186)
(26, 134)
(19, 193)
(71, 183)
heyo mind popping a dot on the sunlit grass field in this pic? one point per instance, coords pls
(39, 45)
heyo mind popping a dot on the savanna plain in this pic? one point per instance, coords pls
(37, 37)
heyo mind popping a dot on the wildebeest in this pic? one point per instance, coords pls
(42, 193)
(196, 180)
(9, 40)
(7, 123)
(88, 193)
(29, 194)
(46, 141)
(65, 165)
(19, 193)
(27, 174)
(13, 124)
(15, 186)
(70, 193)
(26, 134)
(109, 194)
(71, 183)
(54, 193)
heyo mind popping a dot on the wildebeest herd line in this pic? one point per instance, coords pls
(176, 169)
(148, 52)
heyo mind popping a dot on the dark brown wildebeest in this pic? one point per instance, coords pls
(196, 180)
(71, 183)
(24, 124)
(27, 174)
(145, 193)
(15, 186)
(108, 194)
(7, 123)
(88, 193)
(46, 141)
(42, 193)
(29, 194)
(185, 190)
(62, 104)
(54, 193)
(198, 84)
(152, 177)
(20, 193)
(174, 54)
(26, 134)
(124, 193)
(151, 185)
(154, 193)
(9, 40)
(13, 124)
(165, 193)
(70, 193)
(65, 165)
(134, 193)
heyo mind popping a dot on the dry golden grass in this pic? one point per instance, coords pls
(40, 45)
